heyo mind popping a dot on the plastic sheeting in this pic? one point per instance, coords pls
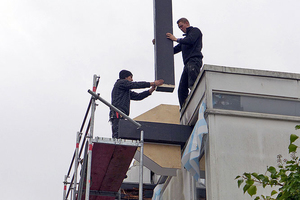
(191, 154)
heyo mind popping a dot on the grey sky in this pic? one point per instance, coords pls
(50, 50)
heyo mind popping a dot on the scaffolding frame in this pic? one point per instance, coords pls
(76, 189)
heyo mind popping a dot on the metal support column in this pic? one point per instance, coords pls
(141, 166)
(119, 194)
(88, 176)
(76, 164)
(65, 187)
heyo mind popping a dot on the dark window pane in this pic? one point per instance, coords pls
(256, 104)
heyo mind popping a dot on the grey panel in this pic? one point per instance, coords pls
(164, 54)
(156, 132)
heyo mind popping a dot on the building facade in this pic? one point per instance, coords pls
(250, 115)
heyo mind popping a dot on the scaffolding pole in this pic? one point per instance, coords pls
(76, 157)
(76, 164)
(65, 187)
(141, 166)
(88, 175)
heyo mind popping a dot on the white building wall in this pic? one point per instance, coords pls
(240, 144)
(241, 141)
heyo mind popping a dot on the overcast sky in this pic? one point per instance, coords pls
(50, 50)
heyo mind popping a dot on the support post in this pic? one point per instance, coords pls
(88, 175)
(76, 164)
(119, 194)
(65, 188)
(141, 167)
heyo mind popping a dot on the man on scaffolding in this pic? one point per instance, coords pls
(122, 94)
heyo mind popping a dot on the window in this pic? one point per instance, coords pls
(256, 104)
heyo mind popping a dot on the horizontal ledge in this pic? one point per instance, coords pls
(165, 88)
(117, 141)
(103, 193)
(252, 114)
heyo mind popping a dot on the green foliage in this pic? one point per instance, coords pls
(286, 177)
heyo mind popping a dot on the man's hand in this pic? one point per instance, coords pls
(152, 89)
(158, 82)
(154, 84)
(171, 37)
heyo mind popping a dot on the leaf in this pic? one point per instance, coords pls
(292, 148)
(250, 182)
(246, 187)
(273, 192)
(273, 182)
(252, 190)
(272, 170)
(293, 138)
(290, 162)
(248, 176)
(261, 177)
(255, 175)
(237, 177)
(297, 127)
(240, 182)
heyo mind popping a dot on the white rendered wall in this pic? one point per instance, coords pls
(240, 141)
(239, 144)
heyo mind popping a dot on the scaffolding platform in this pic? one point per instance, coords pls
(102, 167)
(111, 159)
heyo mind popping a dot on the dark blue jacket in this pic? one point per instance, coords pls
(122, 94)
(190, 45)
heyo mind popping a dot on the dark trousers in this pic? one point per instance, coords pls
(188, 78)
(115, 127)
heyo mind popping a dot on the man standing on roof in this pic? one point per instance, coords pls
(190, 46)
(122, 94)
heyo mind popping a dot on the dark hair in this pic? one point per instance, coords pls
(124, 74)
(183, 20)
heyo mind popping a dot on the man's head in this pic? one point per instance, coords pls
(125, 74)
(183, 24)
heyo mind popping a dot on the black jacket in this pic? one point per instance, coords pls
(122, 94)
(191, 45)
